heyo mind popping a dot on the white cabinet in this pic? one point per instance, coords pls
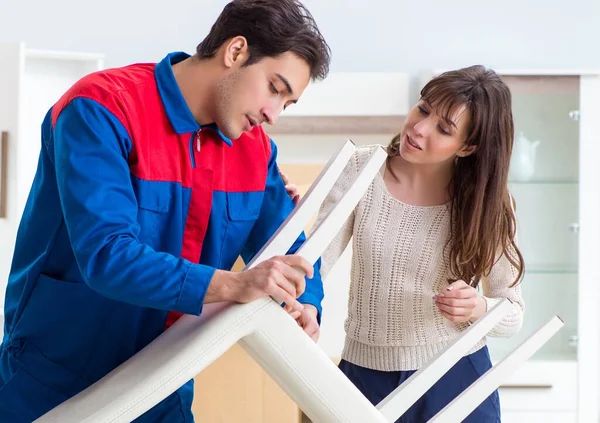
(359, 94)
(555, 179)
(31, 81)
(541, 386)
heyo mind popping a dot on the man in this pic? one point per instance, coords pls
(152, 180)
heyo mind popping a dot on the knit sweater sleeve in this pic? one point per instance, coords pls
(340, 241)
(497, 287)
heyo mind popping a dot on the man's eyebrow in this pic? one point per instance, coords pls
(286, 83)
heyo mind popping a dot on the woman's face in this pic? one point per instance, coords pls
(428, 138)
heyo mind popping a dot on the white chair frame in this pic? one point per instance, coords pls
(279, 345)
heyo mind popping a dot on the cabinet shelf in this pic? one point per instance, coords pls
(550, 270)
(336, 125)
(541, 358)
(545, 182)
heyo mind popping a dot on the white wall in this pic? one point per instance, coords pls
(376, 35)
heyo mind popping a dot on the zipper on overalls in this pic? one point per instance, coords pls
(194, 144)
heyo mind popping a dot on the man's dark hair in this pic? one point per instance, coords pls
(271, 27)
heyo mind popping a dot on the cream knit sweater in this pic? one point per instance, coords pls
(397, 267)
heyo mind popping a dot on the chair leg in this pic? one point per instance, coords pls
(403, 397)
(281, 241)
(322, 235)
(475, 394)
(193, 343)
(161, 368)
(303, 370)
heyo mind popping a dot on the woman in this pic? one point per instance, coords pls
(436, 227)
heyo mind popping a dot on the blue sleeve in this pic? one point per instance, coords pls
(91, 147)
(276, 207)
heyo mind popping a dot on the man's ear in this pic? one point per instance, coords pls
(235, 52)
(467, 150)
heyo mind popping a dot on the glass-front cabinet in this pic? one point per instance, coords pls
(555, 180)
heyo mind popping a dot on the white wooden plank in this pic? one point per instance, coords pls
(307, 207)
(483, 387)
(175, 357)
(322, 235)
(309, 377)
(403, 397)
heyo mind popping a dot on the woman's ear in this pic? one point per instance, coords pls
(467, 151)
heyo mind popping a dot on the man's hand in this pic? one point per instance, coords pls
(291, 189)
(307, 320)
(280, 277)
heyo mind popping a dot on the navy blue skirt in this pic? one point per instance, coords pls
(376, 385)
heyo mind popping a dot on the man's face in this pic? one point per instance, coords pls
(248, 96)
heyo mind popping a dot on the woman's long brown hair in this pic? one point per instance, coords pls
(482, 210)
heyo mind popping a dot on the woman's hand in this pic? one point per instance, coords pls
(291, 189)
(307, 320)
(460, 302)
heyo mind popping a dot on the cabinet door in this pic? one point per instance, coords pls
(544, 180)
(47, 75)
(229, 390)
(554, 177)
(541, 386)
(236, 389)
(11, 66)
(589, 251)
(31, 81)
